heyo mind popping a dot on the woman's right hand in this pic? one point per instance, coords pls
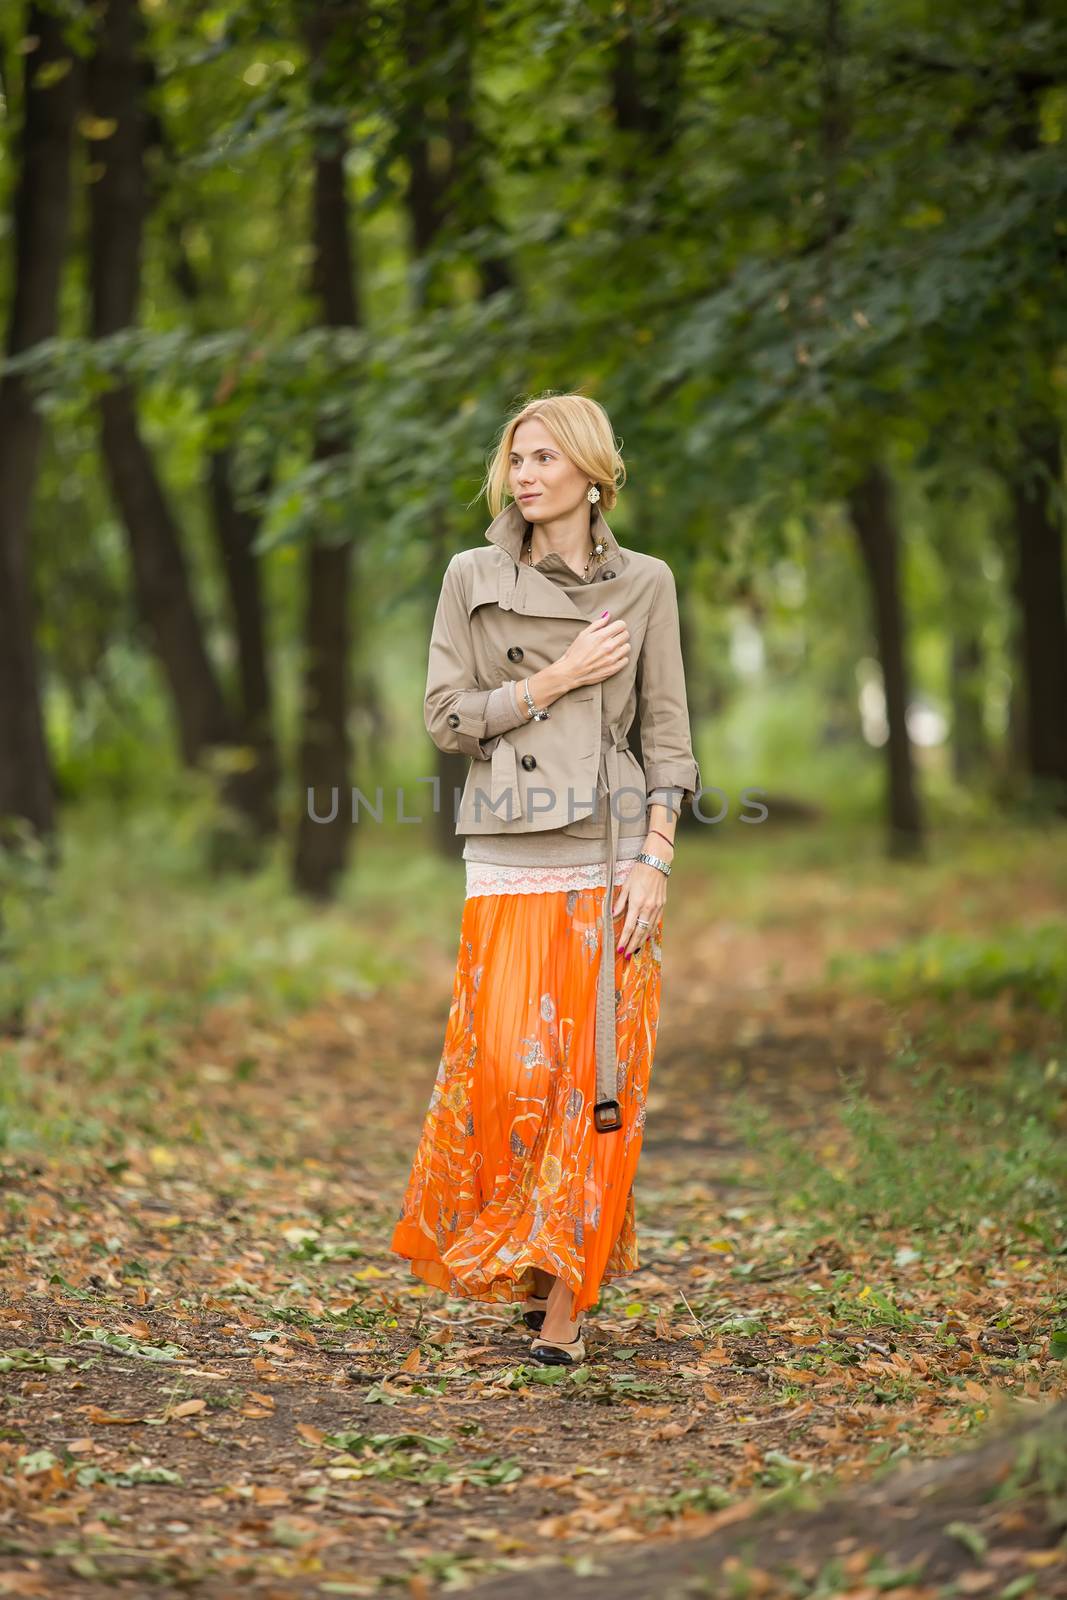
(598, 651)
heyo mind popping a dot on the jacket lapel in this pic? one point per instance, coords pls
(524, 589)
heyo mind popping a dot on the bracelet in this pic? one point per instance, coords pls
(663, 835)
(537, 714)
(654, 861)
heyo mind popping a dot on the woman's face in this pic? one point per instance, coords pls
(544, 482)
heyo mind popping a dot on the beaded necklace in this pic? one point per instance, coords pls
(598, 552)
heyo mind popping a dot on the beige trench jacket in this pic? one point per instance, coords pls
(498, 620)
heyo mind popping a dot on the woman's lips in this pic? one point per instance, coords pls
(529, 497)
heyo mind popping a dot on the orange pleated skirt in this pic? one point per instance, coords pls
(510, 1173)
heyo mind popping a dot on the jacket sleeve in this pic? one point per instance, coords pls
(461, 719)
(663, 713)
(502, 709)
(666, 797)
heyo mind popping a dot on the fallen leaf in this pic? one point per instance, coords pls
(96, 1414)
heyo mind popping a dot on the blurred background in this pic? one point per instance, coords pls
(271, 278)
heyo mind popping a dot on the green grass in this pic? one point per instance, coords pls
(108, 966)
(1029, 963)
(946, 1158)
(115, 957)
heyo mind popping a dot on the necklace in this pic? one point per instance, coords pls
(596, 552)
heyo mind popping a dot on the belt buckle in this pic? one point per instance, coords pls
(607, 1116)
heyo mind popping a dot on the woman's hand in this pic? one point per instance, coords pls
(644, 894)
(598, 651)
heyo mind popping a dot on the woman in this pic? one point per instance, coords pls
(545, 644)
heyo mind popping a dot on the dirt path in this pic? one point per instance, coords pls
(217, 1379)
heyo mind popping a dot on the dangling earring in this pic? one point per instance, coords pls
(592, 494)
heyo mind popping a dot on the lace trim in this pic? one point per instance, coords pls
(484, 878)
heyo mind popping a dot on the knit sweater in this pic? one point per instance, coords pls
(552, 846)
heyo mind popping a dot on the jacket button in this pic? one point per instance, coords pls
(453, 719)
(515, 653)
(608, 573)
(529, 762)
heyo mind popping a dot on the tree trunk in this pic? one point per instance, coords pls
(969, 750)
(953, 535)
(1035, 482)
(873, 519)
(1039, 592)
(646, 81)
(325, 758)
(1015, 762)
(470, 201)
(325, 754)
(161, 581)
(236, 530)
(449, 195)
(41, 228)
(117, 207)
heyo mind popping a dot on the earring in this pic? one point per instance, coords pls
(592, 494)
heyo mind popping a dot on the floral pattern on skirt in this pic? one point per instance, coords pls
(510, 1173)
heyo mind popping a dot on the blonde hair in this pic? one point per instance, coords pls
(582, 430)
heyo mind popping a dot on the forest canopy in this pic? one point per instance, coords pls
(273, 277)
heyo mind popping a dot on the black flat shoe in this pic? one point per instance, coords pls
(559, 1353)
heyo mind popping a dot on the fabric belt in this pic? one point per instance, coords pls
(505, 778)
(607, 1070)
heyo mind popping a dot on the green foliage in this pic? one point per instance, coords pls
(773, 252)
(948, 1157)
(120, 953)
(1028, 963)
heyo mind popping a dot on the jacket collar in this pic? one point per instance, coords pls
(508, 530)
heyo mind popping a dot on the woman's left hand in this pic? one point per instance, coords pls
(644, 894)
